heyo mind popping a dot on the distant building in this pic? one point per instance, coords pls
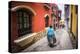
(56, 16)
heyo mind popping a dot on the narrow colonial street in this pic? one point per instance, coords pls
(31, 22)
(63, 42)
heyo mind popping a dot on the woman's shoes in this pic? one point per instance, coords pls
(51, 45)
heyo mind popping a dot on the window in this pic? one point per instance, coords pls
(71, 7)
(76, 9)
(24, 22)
(56, 25)
(71, 16)
(71, 21)
(46, 21)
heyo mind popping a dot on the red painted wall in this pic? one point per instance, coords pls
(14, 28)
(38, 20)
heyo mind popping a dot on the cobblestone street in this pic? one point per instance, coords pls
(63, 42)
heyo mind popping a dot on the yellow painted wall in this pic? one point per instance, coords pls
(74, 21)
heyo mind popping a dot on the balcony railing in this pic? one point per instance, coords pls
(46, 5)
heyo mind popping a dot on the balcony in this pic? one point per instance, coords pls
(47, 6)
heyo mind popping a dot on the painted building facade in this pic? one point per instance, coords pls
(74, 19)
(56, 15)
(71, 17)
(67, 16)
(74, 23)
(28, 18)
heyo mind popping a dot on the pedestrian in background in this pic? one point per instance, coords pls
(51, 36)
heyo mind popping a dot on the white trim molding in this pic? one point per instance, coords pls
(46, 15)
(23, 6)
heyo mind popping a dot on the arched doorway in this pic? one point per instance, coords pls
(47, 21)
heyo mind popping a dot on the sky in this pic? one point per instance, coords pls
(61, 7)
